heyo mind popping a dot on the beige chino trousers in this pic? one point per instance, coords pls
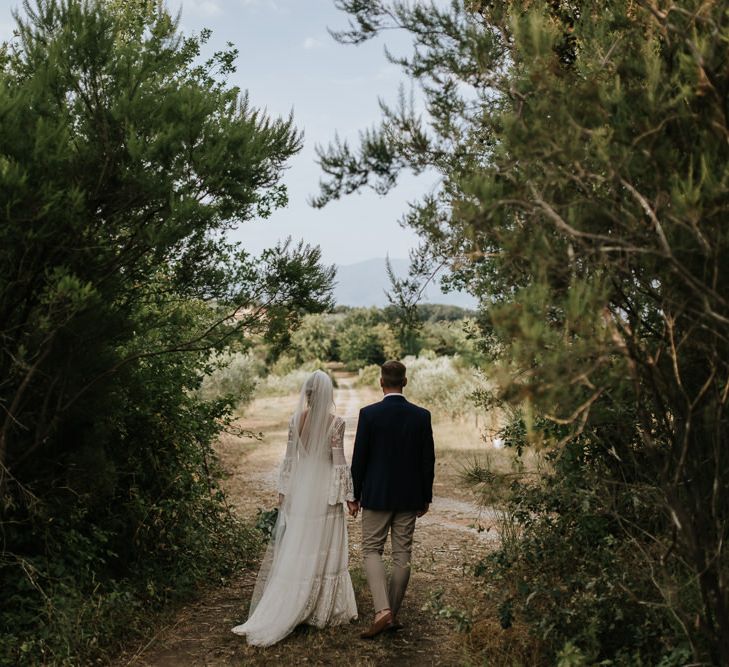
(375, 526)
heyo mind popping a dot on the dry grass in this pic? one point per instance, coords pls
(513, 647)
(463, 446)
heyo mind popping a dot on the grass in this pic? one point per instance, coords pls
(469, 468)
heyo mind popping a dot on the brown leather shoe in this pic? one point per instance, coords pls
(378, 626)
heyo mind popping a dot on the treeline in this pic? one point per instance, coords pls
(358, 337)
(439, 350)
(582, 153)
(124, 159)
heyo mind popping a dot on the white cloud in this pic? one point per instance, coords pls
(203, 7)
(312, 43)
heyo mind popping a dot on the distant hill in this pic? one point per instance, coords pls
(364, 284)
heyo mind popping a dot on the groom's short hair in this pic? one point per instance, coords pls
(393, 374)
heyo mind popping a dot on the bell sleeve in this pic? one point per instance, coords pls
(284, 473)
(341, 488)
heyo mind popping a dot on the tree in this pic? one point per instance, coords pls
(124, 160)
(361, 338)
(314, 339)
(583, 151)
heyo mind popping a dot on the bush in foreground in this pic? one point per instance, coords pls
(123, 162)
(582, 151)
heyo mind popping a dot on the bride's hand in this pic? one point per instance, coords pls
(353, 508)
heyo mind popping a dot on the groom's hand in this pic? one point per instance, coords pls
(423, 511)
(353, 507)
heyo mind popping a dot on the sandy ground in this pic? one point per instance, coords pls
(452, 536)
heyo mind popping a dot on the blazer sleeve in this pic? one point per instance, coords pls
(428, 460)
(360, 454)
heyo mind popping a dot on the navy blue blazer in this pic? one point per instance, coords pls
(393, 464)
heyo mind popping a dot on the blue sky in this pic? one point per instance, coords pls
(288, 62)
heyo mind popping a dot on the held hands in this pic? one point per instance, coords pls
(423, 511)
(353, 507)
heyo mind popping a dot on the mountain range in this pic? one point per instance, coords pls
(364, 284)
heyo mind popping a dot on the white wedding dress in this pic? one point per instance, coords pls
(304, 577)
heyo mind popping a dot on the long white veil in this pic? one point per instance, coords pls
(290, 575)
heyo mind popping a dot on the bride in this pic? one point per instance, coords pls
(304, 576)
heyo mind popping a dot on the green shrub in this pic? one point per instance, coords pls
(314, 340)
(291, 382)
(234, 375)
(565, 566)
(266, 520)
(448, 338)
(282, 385)
(285, 364)
(363, 338)
(124, 531)
(368, 376)
(360, 345)
(441, 384)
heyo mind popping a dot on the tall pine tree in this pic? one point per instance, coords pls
(583, 153)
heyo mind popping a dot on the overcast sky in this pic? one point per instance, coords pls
(288, 62)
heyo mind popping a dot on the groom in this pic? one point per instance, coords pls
(392, 468)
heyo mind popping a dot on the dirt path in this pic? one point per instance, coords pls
(446, 542)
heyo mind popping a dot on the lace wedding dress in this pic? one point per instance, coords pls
(304, 576)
